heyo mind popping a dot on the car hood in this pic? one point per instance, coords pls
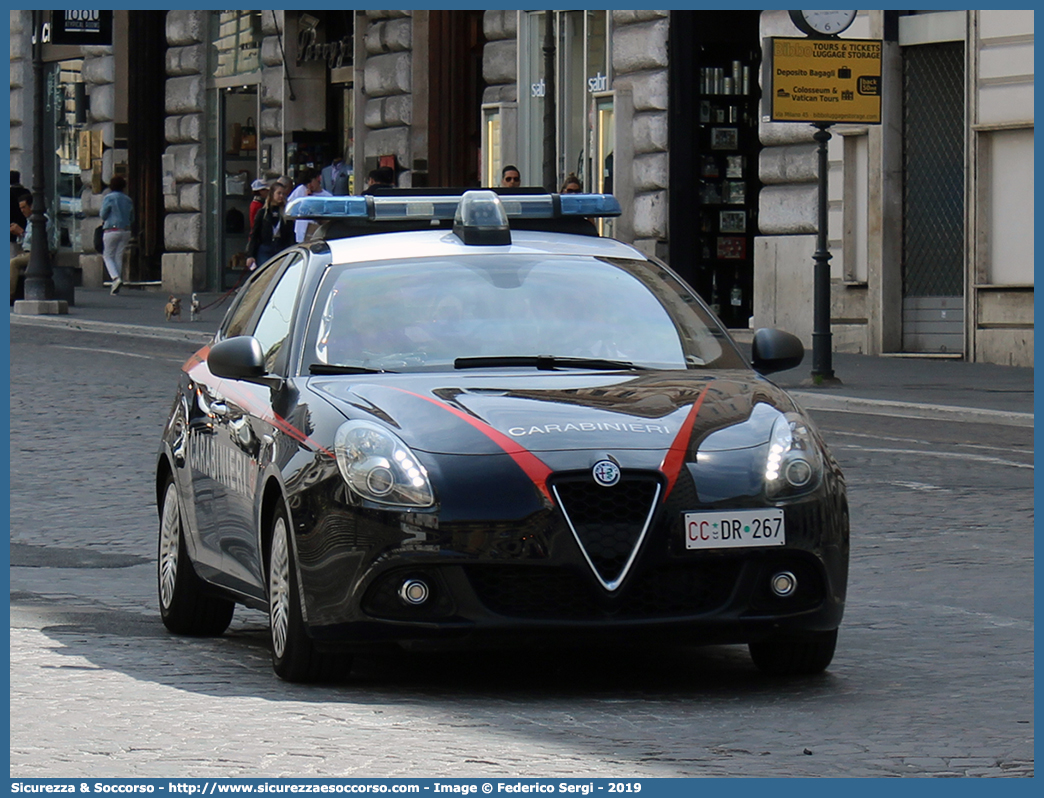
(560, 412)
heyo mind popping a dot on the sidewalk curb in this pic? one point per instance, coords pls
(884, 407)
(114, 328)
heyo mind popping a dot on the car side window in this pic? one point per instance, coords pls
(243, 311)
(273, 326)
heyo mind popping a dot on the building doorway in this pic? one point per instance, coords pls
(238, 109)
(933, 198)
(146, 138)
(455, 42)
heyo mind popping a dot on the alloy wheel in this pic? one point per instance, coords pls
(279, 588)
(170, 539)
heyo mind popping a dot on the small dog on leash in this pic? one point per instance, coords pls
(173, 308)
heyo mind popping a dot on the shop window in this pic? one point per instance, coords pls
(603, 155)
(715, 146)
(237, 134)
(582, 75)
(66, 114)
(492, 146)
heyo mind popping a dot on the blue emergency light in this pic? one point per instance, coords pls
(477, 205)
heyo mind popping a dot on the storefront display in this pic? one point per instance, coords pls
(726, 136)
(583, 103)
(66, 111)
(240, 170)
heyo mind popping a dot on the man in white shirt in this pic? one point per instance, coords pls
(310, 186)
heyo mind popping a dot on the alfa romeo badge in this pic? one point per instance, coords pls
(606, 473)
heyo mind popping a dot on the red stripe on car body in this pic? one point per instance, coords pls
(533, 466)
(675, 457)
(199, 358)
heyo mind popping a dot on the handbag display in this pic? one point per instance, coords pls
(235, 222)
(236, 185)
(249, 135)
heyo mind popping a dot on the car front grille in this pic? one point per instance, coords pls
(560, 594)
(608, 522)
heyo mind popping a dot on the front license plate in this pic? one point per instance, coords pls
(734, 529)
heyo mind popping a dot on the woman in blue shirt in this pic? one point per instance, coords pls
(117, 213)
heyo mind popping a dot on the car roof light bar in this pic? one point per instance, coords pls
(328, 208)
(589, 205)
(435, 207)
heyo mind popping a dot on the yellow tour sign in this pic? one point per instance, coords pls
(822, 80)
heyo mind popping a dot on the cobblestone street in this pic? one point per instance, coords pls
(933, 676)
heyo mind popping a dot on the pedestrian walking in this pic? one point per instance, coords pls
(310, 185)
(260, 189)
(117, 213)
(272, 231)
(510, 177)
(381, 177)
(571, 185)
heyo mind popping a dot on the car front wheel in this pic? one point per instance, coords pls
(186, 606)
(294, 655)
(803, 654)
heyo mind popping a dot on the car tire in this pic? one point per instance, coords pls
(187, 606)
(794, 655)
(294, 656)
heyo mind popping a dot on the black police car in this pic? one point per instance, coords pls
(468, 419)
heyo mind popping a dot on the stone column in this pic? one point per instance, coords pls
(387, 72)
(21, 94)
(273, 74)
(500, 72)
(640, 53)
(184, 161)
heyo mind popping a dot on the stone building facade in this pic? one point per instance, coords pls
(980, 309)
(96, 70)
(184, 160)
(984, 310)
(448, 98)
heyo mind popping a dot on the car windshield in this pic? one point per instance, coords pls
(487, 311)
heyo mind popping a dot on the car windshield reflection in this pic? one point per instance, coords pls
(425, 316)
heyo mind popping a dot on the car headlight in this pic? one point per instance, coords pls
(380, 467)
(794, 463)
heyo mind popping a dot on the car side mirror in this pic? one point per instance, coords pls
(776, 350)
(239, 358)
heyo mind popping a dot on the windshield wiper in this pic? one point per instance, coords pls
(544, 363)
(333, 368)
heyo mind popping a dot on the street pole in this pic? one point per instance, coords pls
(550, 166)
(39, 284)
(822, 367)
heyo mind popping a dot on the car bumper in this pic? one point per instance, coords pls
(511, 580)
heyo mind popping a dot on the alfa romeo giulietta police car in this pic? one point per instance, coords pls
(466, 419)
